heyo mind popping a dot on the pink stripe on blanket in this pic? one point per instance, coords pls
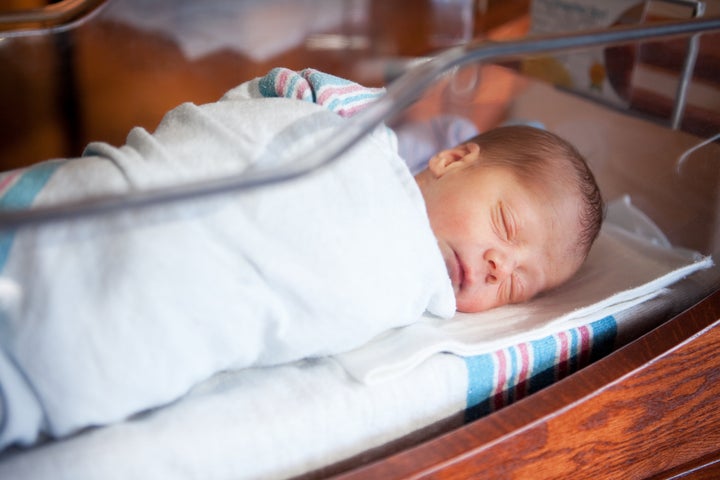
(563, 355)
(8, 180)
(349, 112)
(502, 377)
(522, 377)
(327, 92)
(301, 90)
(281, 82)
(585, 345)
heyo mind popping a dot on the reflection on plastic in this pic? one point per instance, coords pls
(683, 158)
(452, 22)
(55, 15)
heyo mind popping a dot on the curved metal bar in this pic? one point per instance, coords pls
(51, 16)
(400, 94)
(684, 84)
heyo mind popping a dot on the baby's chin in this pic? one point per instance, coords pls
(474, 304)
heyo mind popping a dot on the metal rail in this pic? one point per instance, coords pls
(51, 16)
(400, 94)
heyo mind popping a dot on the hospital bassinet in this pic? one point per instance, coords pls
(630, 395)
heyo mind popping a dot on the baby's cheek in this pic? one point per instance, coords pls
(475, 302)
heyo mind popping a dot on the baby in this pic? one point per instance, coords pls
(163, 298)
(514, 210)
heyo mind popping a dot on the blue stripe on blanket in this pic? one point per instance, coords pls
(499, 378)
(20, 195)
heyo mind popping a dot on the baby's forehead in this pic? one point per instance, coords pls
(565, 229)
(552, 184)
(560, 207)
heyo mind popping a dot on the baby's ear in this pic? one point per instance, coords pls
(460, 156)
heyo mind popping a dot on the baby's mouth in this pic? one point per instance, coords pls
(457, 273)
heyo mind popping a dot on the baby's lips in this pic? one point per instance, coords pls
(458, 275)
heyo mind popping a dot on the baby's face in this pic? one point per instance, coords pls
(502, 242)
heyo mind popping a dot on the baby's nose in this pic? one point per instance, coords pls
(499, 268)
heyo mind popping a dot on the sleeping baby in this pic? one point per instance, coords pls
(514, 210)
(106, 316)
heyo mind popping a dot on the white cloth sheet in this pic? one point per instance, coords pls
(260, 423)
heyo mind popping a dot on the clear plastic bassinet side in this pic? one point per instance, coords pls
(671, 176)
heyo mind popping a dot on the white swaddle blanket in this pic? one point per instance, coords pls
(630, 263)
(106, 316)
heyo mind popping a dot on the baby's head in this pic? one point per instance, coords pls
(515, 211)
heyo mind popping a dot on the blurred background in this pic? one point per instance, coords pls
(75, 71)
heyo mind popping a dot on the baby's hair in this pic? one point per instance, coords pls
(536, 155)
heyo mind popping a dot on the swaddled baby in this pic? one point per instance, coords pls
(106, 316)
